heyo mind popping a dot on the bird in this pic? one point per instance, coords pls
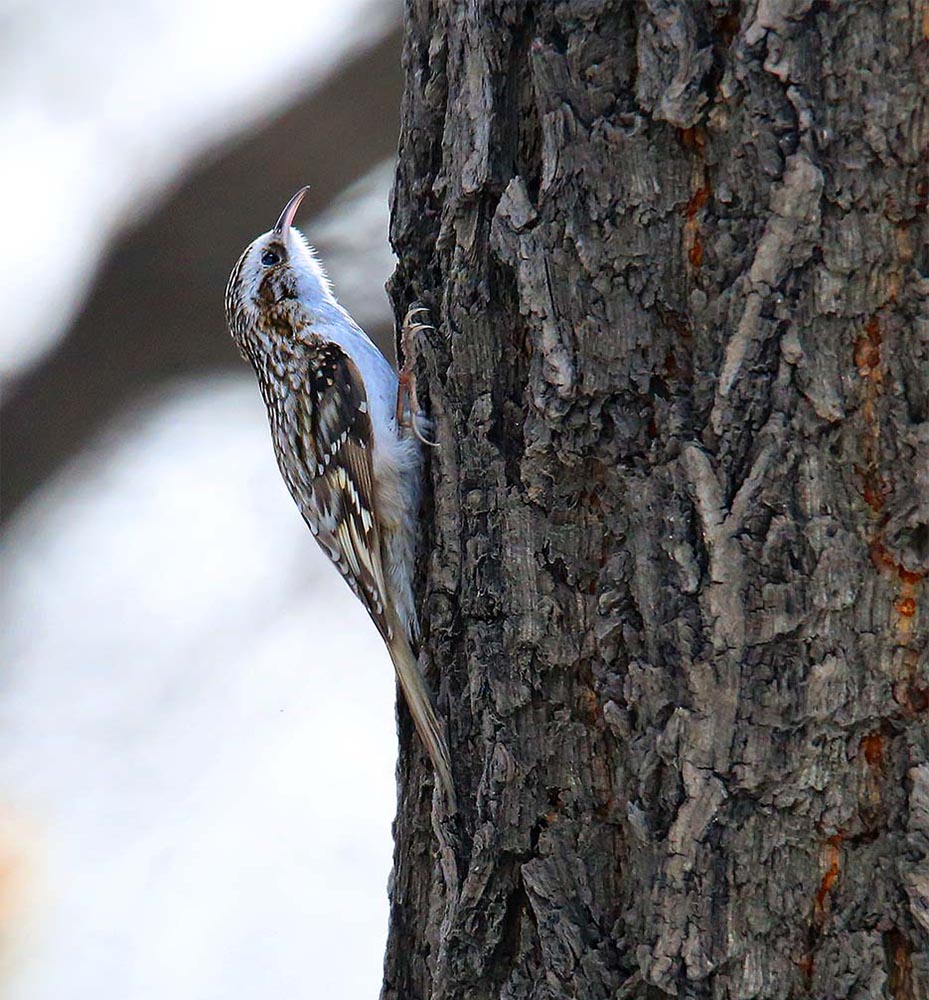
(346, 434)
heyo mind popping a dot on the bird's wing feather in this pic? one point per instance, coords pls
(338, 441)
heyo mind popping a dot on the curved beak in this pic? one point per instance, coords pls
(290, 210)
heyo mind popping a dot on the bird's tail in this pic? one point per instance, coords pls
(419, 700)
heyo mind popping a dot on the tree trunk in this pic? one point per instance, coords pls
(674, 595)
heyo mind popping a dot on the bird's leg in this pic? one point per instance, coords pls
(408, 410)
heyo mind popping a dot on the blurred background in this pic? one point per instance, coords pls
(197, 739)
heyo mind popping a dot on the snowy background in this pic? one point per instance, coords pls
(197, 738)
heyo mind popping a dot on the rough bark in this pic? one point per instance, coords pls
(674, 593)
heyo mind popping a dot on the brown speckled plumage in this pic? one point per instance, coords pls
(331, 399)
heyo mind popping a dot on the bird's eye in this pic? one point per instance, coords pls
(270, 257)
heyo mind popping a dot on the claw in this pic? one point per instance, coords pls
(406, 389)
(406, 395)
(418, 434)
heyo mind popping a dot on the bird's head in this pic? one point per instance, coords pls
(276, 275)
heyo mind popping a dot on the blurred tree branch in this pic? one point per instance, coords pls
(155, 311)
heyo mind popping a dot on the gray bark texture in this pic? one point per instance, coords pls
(674, 591)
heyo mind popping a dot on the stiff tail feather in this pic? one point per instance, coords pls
(419, 700)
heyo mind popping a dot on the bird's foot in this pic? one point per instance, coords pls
(408, 412)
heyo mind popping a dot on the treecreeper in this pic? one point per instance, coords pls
(347, 434)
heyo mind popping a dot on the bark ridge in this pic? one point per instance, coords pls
(675, 583)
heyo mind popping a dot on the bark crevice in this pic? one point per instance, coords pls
(674, 582)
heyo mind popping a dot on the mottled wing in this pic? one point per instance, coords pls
(337, 439)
